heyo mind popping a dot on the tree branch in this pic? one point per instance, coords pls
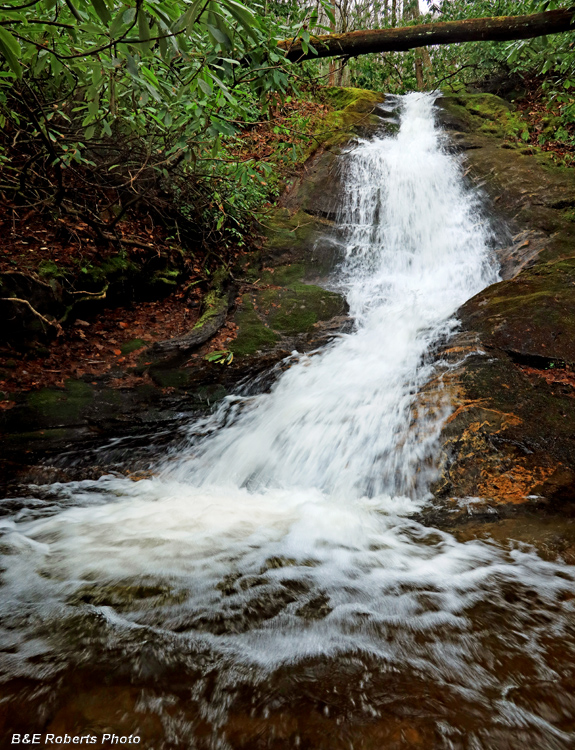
(493, 29)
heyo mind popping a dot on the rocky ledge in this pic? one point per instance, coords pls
(509, 445)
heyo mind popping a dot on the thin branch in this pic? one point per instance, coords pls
(52, 323)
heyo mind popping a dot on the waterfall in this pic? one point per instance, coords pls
(342, 422)
(288, 533)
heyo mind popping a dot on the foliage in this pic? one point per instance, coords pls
(115, 103)
(222, 357)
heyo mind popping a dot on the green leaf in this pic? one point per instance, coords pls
(190, 17)
(326, 4)
(163, 44)
(117, 24)
(143, 30)
(129, 16)
(217, 34)
(205, 86)
(244, 16)
(132, 66)
(10, 48)
(102, 10)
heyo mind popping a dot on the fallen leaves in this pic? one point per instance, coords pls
(93, 348)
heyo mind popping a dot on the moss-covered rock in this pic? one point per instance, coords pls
(167, 377)
(353, 109)
(531, 316)
(298, 307)
(283, 309)
(132, 346)
(54, 406)
(253, 335)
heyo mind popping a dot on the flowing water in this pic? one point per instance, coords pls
(270, 587)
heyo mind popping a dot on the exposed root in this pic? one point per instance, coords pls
(52, 323)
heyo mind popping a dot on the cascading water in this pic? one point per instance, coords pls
(285, 536)
(341, 422)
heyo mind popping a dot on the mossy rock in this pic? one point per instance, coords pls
(55, 406)
(290, 233)
(253, 335)
(531, 316)
(287, 307)
(111, 268)
(353, 108)
(297, 308)
(485, 113)
(170, 378)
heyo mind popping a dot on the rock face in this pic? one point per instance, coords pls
(511, 437)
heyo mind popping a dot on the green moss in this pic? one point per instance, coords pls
(531, 315)
(113, 267)
(62, 406)
(341, 97)
(166, 276)
(297, 308)
(214, 306)
(79, 389)
(287, 232)
(132, 346)
(486, 113)
(284, 275)
(49, 269)
(351, 107)
(253, 335)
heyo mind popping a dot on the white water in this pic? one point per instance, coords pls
(312, 484)
(341, 422)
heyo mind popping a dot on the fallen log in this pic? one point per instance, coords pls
(489, 29)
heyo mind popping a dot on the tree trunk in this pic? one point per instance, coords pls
(494, 29)
(419, 69)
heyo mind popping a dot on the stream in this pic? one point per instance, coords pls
(269, 586)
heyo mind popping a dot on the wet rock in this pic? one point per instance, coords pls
(510, 439)
(126, 596)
